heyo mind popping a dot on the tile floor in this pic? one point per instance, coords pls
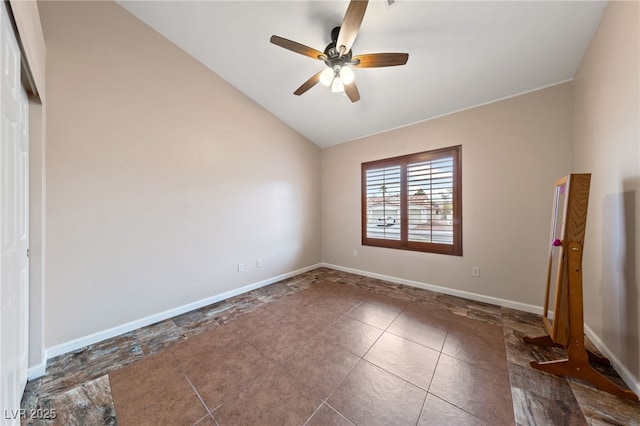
(324, 348)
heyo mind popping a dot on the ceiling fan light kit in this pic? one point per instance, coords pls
(338, 57)
(337, 86)
(337, 79)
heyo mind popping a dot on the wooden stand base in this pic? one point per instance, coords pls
(577, 365)
(546, 342)
(565, 320)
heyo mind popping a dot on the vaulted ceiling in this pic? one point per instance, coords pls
(461, 54)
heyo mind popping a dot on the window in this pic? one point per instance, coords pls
(414, 202)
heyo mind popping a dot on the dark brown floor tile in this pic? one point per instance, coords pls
(310, 312)
(155, 337)
(377, 311)
(437, 412)
(522, 353)
(271, 332)
(320, 365)
(215, 343)
(532, 409)
(327, 416)
(206, 421)
(336, 291)
(427, 326)
(72, 369)
(273, 398)
(238, 306)
(344, 300)
(548, 386)
(327, 297)
(525, 322)
(154, 391)
(90, 403)
(273, 292)
(264, 327)
(256, 323)
(371, 396)
(295, 305)
(483, 391)
(408, 360)
(600, 407)
(31, 395)
(218, 372)
(476, 342)
(276, 344)
(485, 312)
(200, 320)
(453, 304)
(353, 335)
(384, 289)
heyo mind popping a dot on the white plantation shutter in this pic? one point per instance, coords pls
(429, 199)
(414, 202)
(383, 203)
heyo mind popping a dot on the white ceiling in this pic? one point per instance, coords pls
(461, 54)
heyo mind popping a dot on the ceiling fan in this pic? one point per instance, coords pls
(338, 56)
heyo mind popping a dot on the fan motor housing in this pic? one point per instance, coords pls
(333, 58)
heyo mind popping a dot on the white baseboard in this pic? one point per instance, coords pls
(37, 370)
(623, 371)
(70, 346)
(452, 292)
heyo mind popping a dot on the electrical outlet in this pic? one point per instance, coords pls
(475, 271)
(355, 253)
(259, 263)
(240, 267)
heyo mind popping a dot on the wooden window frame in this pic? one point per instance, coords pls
(454, 249)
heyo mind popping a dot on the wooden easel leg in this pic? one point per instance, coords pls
(566, 367)
(544, 341)
(547, 342)
(577, 365)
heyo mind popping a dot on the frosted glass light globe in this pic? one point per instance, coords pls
(326, 77)
(347, 75)
(337, 86)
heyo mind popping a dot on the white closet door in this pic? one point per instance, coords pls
(14, 226)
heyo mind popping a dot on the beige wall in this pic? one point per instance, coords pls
(607, 144)
(512, 152)
(161, 177)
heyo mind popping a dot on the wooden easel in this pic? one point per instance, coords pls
(566, 328)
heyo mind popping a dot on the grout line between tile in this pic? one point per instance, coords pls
(341, 415)
(314, 413)
(340, 383)
(424, 402)
(210, 413)
(459, 408)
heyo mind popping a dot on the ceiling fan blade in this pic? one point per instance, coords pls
(352, 91)
(308, 84)
(350, 25)
(297, 47)
(376, 60)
